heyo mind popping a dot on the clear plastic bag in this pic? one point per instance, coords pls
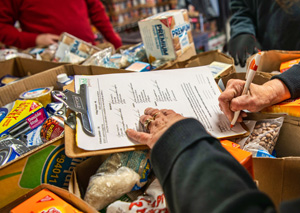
(264, 135)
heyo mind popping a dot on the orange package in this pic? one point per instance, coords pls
(288, 64)
(290, 107)
(229, 143)
(242, 156)
(44, 201)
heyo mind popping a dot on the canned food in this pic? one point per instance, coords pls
(52, 128)
(7, 154)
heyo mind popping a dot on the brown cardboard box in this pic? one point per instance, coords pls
(203, 59)
(278, 177)
(12, 174)
(64, 194)
(21, 67)
(270, 60)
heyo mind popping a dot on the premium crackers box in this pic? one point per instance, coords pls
(166, 35)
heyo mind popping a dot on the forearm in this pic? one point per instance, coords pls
(242, 19)
(101, 21)
(198, 174)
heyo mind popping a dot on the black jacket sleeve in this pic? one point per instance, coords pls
(291, 78)
(198, 175)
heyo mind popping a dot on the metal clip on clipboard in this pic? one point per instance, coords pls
(77, 103)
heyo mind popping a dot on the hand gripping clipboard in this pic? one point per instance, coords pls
(77, 103)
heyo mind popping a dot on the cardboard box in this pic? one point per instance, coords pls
(81, 176)
(167, 35)
(45, 164)
(203, 59)
(278, 177)
(21, 67)
(35, 167)
(271, 60)
(64, 194)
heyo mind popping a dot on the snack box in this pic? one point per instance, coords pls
(242, 156)
(167, 35)
(139, 66)
(44, 201)
(290, 107)
(288, 64)
(53, 193)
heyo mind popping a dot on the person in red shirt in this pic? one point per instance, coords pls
(42, 22)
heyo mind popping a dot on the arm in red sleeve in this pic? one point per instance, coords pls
(101, 21)
(9, 35)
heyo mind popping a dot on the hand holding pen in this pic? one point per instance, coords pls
(249, 78)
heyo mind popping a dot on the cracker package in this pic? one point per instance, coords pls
(166, 35)
(72, 49)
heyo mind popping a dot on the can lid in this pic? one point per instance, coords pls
(61, 78)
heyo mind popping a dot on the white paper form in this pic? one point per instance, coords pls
(116, 101)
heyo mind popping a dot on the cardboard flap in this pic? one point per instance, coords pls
(9, 67)
(270, 60)
(259, 78)
(269, 173)
(82, 173)
(42, 79)
(291, 177)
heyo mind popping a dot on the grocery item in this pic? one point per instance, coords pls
(166, 35)
(52, 128)
(139, 66)
(44, 201)
(288, 64)
(43, 95)
(8, 79)
(119, 174)
(25, 116)
(290, 107)
(264, 135)
(63, 80)
(153, 200)
(11, 149)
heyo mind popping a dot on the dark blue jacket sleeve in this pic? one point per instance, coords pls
(291, 78)
(198, 175)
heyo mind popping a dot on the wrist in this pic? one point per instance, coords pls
(278, 91)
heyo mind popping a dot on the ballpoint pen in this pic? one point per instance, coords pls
(249, 78)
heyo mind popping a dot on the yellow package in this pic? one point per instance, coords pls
(290, 107)
(44, 201)
(24, 116)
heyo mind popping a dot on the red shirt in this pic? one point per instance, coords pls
(55, 17)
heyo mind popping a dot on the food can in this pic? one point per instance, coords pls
(7, 154)
(52, 128)
(43, 95)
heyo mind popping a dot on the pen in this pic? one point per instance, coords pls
(250, 75)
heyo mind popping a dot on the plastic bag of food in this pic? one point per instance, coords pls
(153, 200)
(119, 174)
(264, 135)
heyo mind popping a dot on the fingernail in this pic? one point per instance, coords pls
(128, 131)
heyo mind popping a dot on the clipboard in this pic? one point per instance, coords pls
(72, 150)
